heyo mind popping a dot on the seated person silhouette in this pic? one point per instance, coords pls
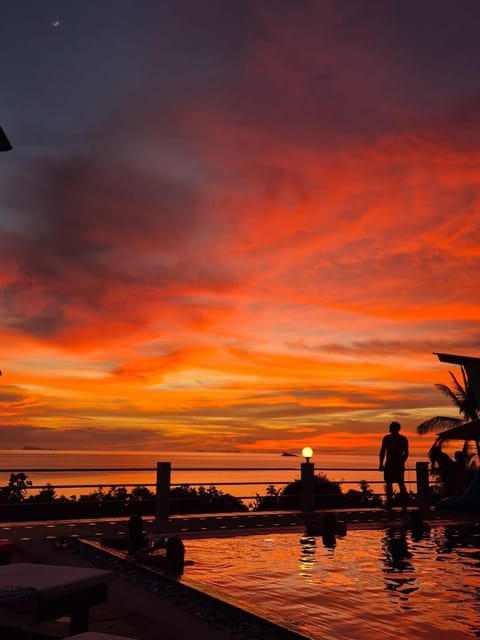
(452, 472)
(136, 538)
(143, 549)
(173, 559)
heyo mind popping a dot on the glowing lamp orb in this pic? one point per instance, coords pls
(307, 453)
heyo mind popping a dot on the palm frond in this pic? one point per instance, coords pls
(461, 396)
(465, 377)
(451, 395)
(439, 423)
(459, 389)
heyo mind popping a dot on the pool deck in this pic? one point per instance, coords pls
(180, 525)
(217, 524)
(131, 610)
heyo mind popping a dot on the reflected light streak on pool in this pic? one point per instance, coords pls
(373, 584)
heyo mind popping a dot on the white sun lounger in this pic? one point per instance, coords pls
(31, 593)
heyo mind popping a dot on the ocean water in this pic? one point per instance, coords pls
(382, 584)
(241, 474)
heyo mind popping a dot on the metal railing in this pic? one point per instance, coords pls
(194, 483)
(163, 485)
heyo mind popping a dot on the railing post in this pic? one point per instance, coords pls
(423, 488)
(308, 495)
(162, 501)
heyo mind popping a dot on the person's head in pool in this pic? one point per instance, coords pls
(135, 524)
(175, 551)
(136, 537)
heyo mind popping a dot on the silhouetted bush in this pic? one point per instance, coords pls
(356, 499)
(327, 495)
(15, 490)
(187, 499)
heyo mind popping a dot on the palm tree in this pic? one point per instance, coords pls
(462, 397)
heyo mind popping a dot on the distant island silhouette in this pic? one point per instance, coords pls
(290, 455)
(31, 447)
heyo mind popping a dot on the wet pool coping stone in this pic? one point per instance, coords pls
(204, 603)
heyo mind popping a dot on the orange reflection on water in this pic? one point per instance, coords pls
(384, 584)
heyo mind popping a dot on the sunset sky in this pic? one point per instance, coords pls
(236, 224)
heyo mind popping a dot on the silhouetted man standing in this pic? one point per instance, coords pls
(395, 448)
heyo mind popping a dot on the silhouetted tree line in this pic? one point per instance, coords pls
(16, 504)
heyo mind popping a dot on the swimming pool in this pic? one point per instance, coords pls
(372, 584)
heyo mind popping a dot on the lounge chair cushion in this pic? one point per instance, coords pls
(51, 581)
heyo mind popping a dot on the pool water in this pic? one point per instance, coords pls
(371, 584)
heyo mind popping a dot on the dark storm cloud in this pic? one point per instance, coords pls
(92, 228)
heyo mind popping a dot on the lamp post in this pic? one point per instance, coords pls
(4, 141)
(162, 499)
(307, 477)
(307, 453)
